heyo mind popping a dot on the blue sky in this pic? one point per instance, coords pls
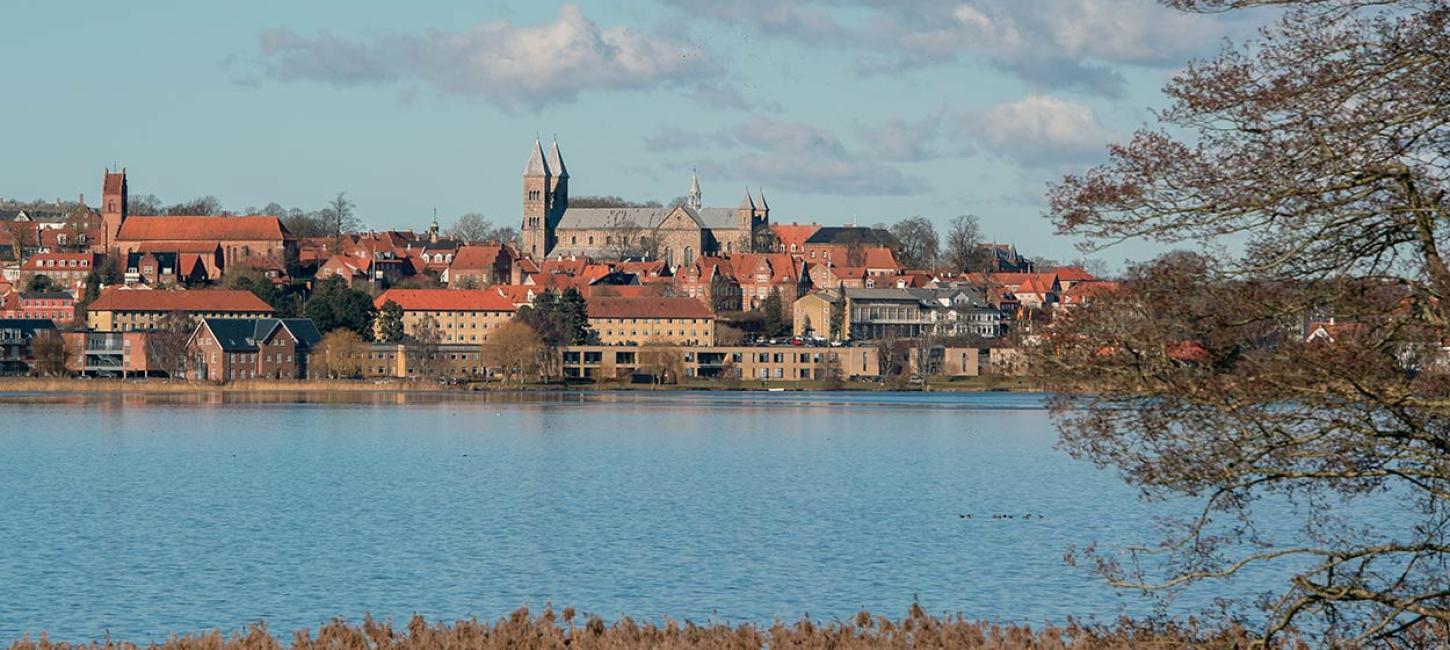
(841, 110)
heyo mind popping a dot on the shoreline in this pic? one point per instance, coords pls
(14, 385)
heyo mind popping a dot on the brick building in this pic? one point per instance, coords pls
(225, 349)
(119, 309)
(461, 316)
(633, 321)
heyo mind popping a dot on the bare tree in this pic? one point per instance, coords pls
(1322, 145)
(664, 360)
(339, 355)
(50, 353)
(960, 250)
(338, 218)
(424, 355)
(166, 344)
(919, 242)
(516, 350)
(472, 228)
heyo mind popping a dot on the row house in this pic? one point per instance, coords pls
(743, 281)
(57, 306)
(410, 361)
(226, 349)
(111, 354)
(67, 270)
(122, 309)
(635, 321)
(165, 269)
(480, 266)
(461, 316)
(207, 254)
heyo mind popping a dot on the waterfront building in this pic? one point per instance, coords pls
(634, 321)
(121, 309)
(15, 337)
(458, 315)
(225, 349)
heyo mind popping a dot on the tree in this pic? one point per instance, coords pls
(335, 305)
(1319, 145)
(919, 242)
(143, 205)
(423, 351)
(960, 251)
(338, 218)
(664, 360)
(93, 291)
(776, 322)
(166, 344)
(339, 355)
(39, 282)
(608, 202)
(390, 323)
(516, 350)
(111, 271)
(629, 239)
(472, 228)
(50, 352)
(306, 224)
(201, 206)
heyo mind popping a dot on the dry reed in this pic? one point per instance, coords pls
(566, 630)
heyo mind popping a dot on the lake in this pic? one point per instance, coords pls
(143, 516)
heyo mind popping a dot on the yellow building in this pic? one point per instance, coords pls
(462, 317)
(633, 321)
(120, 309)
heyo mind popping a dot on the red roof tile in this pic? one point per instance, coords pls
(476, 258)
(253, 228)
(445, 300)
(123, 299)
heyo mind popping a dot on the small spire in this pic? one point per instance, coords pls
(693, 198)
(556, 161)
(747, 203)
(763, 205)
(536, 166)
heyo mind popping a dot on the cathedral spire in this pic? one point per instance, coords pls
(536, 166)
(556, 161)
(693, 198)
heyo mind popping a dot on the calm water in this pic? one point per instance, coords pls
(144, 517)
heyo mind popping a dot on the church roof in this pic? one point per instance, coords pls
(556, 162)
(536, 166)
(605, 218)
(252, 228)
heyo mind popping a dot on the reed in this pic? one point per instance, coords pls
(565, 629)
(61, 385)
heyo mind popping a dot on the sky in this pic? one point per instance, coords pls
(840, 111)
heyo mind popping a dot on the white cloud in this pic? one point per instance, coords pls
(506, 64)
(1057, 44)
(1039, 131)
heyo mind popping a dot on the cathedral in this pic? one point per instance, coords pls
(675, 234)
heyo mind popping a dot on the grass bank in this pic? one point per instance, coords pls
(561, 630)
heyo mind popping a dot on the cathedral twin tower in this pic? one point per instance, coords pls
(676, 234)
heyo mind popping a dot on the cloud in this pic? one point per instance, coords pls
(1071, 44)
(795, 156)
(509, 65)
(1039, 131)
(909, 140)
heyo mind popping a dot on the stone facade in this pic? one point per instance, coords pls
(678, 235)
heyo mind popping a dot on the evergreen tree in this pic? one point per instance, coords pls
(390, 323)
(335, 305)
(775, 320)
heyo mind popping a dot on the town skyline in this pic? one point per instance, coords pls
(393, 107)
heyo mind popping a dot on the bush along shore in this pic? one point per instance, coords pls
(565, 629)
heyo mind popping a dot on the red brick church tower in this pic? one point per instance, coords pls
(113, 205)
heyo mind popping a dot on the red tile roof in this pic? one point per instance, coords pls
(476, 258)
(794, 234)
(648, 308)
(253, 228)
(446, 300)
(201, 246)
(1073, 274)
(1085, 292)
(218, 300)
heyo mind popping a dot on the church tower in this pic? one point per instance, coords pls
(694, 197)
(559, 199)
(113, 205)
(538, 227)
